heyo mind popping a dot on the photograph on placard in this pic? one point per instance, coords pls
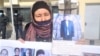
(66, 27)
(27, 52)
(42, 52)
(6, 51)
(17, 51)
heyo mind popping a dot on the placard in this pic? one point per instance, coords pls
(61, 48)
(16, 48)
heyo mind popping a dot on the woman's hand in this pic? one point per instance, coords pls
(21, 40)
(81, 41)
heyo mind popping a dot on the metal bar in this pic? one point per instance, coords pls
(13, 29)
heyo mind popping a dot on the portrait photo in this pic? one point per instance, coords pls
(42, 52)
(17, 51)
(66, 27)
(6, 51)
(27, 52)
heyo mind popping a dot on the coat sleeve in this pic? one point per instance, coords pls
(6, 20)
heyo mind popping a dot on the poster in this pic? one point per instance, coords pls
(75, 50)
(16, 48)
(66, 27)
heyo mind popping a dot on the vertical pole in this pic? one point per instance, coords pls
(64, 7)
(12, 20)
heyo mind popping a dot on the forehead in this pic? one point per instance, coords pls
(4, 51)
(17, 49)
(41, 10)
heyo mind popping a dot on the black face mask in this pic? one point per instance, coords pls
(42, 23)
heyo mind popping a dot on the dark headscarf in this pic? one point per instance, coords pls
(42, 29)
(36, 6)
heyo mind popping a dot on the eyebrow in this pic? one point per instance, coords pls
(38, 14)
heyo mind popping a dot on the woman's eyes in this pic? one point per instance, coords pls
(46, 14)
(38, 15)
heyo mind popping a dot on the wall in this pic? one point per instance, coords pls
(1, 3)
(92, 1)
(82, 10)
(24, 3)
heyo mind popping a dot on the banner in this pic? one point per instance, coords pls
(16, 48)
(67, 48)
(61, 48)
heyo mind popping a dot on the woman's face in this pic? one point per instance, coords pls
(17, 52)
(42, 14)
(27, 53)
(4, 53)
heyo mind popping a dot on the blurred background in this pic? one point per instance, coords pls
(89, 10)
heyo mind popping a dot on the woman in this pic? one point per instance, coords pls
(40, 29)
(28, 52)
(4, 52)
(17, 51)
